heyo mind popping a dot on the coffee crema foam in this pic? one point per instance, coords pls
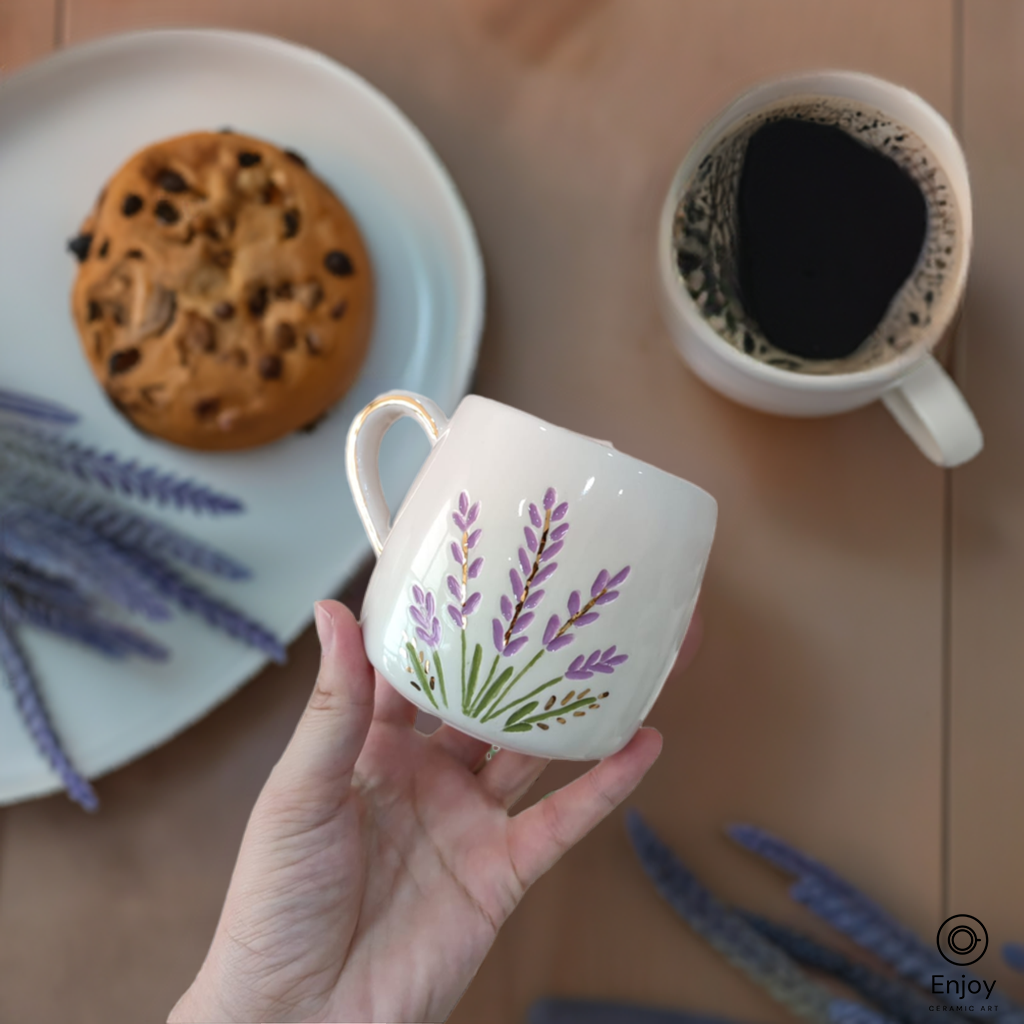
(705, 236)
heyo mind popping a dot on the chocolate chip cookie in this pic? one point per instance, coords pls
(224, 295)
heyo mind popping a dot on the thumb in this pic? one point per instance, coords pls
(316, 766)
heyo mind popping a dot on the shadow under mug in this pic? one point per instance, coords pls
(535, 586)
(912, 385)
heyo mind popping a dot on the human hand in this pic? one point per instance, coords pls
(379, 863)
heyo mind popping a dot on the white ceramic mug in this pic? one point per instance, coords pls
(913, 386)
(535, 587)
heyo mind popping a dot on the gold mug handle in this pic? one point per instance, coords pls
(362, 450)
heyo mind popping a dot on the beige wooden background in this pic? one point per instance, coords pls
(859, 688)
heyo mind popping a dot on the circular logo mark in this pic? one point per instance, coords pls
(962, 940)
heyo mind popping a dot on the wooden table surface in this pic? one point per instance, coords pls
(859, 688)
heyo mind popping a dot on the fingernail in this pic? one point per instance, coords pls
(324, 626)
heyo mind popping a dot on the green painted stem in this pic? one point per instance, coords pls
(420, 675)
(440, 677)
(489, 694)
(463, 668)
(474, 675)
(515, 679)
(519, 700)
(472, 712)
(555, 712)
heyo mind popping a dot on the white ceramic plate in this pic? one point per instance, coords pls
(65, 125)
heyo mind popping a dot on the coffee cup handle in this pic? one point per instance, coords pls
(929, 407)
(362, 450)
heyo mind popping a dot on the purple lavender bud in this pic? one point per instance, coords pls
(600, 583)
(456, 552)
(535, 516)
(607, 654)
(506, 607)
(430, 605)
(435, 633)
(586, 620)
(550, 497)
(617, 660)
(472, 603)
(454, 589)
(423, 634)
(517, 583)
(534, 599)
(524, 562)
(474, 568)
(463, 502)
(531, 538)
(417, 616)
(545, 574)
(417, 593)
(499, 635)
(551, 550)
(593, 659)
(515, 645)
(574, 602)
(473, 538)
(558, 532)
(473, 513)
(456, 616)
(619, 577)
(559, 512)
(606, 669)
(560, 641)
(522, 623)
(607, 598)
(459, 522)
(576, 667)
(551, 629)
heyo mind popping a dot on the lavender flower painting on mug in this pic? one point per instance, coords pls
(517, 616)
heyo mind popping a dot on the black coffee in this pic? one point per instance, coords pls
(829, 231)
(819, 236)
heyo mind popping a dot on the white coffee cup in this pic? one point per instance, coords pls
(913, 386)
(536, 585)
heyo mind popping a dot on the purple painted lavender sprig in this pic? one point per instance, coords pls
(558, 634)
(545, 537)
(41, 448)
(423, 613)
(469, 566)
(33, 713)
(604, 662)
(761, 960)
(16, 403)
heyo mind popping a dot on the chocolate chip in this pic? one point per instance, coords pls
(200, 334)
(258, 301)
(171, 181)
(131, 205)
(222, 257)
(270, 367)
(291, 223)
(297, 158)
(95, 311)
(310, 294)
(79, 245)
(337, 262)
(338, 310)
(269, 194)
(123, 361)
(283, 290)
(104, 248)
(224, 310)
(313, 343)
(284, 336)
(167, 212)
(207, 407)
(134, 254)
(249, 159)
